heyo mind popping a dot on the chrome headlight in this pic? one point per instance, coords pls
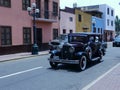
(59, 48)
(71, 49)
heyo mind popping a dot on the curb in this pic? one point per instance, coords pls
(21, 57)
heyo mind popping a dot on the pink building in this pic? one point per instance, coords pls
(16, 32)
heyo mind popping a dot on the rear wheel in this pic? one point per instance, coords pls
(82, 63)
(100, 55)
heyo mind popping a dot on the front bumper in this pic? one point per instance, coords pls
(65, 61)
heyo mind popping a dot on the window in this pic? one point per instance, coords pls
(71, 31)
(111, 12)
(55, 8)
(5, 3)
(94, 30)
(64, 31)
(98, 30)
(6, 37)
(79, 18)
(55, 33)
(26, 35)
(108, 11)
(71, 19)
(101, 31)
(108, 22)
(25, 4)
(111, 23)
(38, 6)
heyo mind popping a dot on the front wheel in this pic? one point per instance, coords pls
(53, 64)
(82, 63)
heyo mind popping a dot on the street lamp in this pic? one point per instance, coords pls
(33, 11)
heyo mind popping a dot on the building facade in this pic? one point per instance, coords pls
(97, 25)
(67, 22)
(16, 32)
(108, 16)
(83, 21)
(109, 21)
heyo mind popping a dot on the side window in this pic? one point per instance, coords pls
(5, 3)
(6, 35)
(55, 33)
(55, 8)
(25, 4)
(26, 35)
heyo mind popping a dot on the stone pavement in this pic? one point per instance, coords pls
(108, 81)
(20, 55)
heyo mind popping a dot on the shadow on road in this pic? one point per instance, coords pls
(73, 68)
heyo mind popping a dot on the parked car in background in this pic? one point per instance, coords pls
(116, 42)
(59, 41)
(80, 49)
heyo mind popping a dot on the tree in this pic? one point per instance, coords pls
(117, 25)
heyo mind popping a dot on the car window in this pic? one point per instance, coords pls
(78, 39)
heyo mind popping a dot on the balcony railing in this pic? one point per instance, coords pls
(47, 16)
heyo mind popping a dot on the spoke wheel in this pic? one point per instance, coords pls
(89, 52)
(101, 55)
(82, 63)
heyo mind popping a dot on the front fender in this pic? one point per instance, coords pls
(79, 54)
(54, 52)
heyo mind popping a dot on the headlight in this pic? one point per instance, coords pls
(71, 49)
(59, 48)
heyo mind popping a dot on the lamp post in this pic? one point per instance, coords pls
(32, 11)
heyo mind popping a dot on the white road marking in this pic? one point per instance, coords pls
(99, 78)
(21, 72)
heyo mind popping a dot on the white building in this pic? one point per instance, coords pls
(67, 22)
(109, 18)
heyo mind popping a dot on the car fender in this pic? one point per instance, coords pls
(54, 52)
(79, 54)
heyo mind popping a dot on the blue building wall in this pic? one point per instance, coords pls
(97, 25)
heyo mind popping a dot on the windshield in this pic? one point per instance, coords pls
(82, 39)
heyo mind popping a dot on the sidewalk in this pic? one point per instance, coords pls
(108, 81)
(20, 55)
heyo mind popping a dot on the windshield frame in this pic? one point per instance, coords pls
(80, 38)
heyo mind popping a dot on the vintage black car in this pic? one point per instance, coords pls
(80, 49)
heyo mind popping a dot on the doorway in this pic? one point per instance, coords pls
(39, 37)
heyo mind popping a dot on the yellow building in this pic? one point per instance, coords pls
(83, 21)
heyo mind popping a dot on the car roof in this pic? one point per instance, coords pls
(84, 34)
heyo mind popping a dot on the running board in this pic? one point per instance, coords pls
(94, 59)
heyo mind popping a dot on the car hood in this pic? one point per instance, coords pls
(75, 44)
(57, 42)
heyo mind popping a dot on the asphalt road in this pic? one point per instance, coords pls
(35, 73)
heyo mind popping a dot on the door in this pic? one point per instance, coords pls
(39, 36)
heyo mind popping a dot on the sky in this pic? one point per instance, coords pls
(112, 3)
